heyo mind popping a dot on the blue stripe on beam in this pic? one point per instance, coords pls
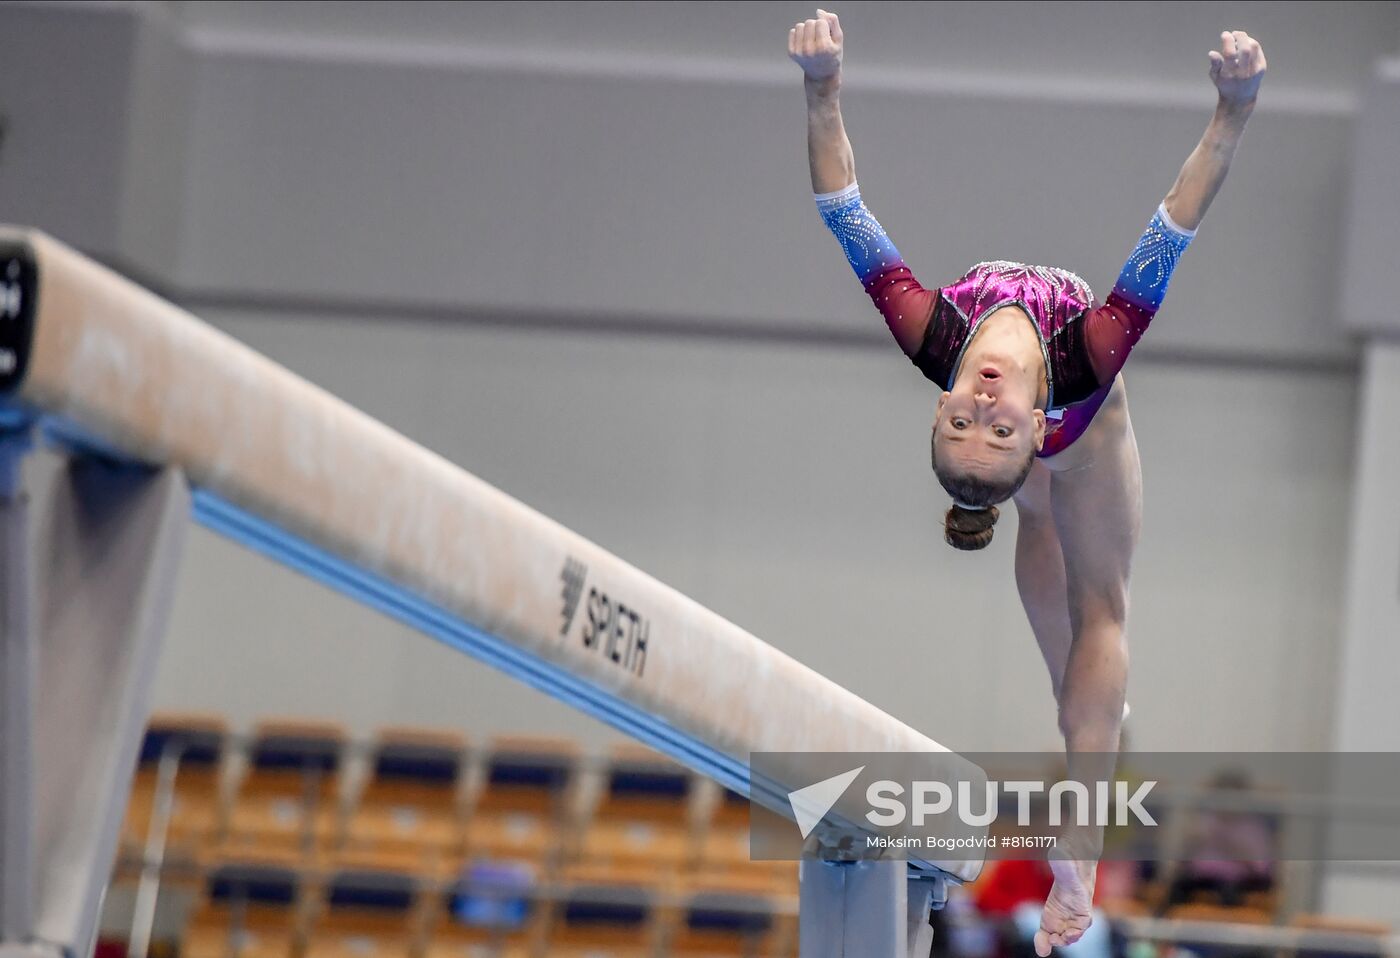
(399, 603)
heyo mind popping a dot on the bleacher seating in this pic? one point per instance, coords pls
(196, 744)
(303, 845)
(604, 916)
(522, 811)
(721, 925)
(645, 814)
(311, 848)
(1199, 911)
(491, 910)
(409, 813)
(366, 915)
(725, 843)
(287, 802)
(247, 911)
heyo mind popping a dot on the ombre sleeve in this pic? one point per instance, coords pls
(1113, 329)
(906, 305)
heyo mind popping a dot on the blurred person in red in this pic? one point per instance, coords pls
(1011, 894)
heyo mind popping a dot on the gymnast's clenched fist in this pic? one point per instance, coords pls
(1237, 68)
(815, 45)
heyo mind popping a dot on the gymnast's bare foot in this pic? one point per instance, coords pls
(1069, 908)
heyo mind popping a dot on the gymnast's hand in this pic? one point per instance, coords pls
(1237, 68)
(815, 46)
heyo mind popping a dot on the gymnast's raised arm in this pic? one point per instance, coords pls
(1237, 70)
(817, 45)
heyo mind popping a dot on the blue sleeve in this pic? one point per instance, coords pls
(1149, 268)
(1113, 329)
(868, 249)
(906, 305)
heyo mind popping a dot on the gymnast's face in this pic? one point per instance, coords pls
(988, 424)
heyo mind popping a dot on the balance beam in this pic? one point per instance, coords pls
(282, 465)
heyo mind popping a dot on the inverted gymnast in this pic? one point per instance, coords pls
(1033, 408)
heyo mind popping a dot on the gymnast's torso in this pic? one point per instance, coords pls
(1055, 301)
(1084, 344)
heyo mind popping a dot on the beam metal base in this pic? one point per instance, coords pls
(866, 909)
(83, 608)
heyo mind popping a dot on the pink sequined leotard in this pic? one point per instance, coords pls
(1085, 344)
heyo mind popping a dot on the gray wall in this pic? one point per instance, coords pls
(572, 247)
(1372, 241)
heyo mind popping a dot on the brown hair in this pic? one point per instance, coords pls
(971, 529)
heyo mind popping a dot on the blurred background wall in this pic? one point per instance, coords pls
(572, 247)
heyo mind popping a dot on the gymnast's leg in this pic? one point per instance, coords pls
(1040, 574)
(1080, 516)
(1097, 508)
(1096, 501)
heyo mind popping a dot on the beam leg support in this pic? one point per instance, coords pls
(84, 598)
(866, 909)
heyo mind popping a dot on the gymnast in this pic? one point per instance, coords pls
(1032, 408)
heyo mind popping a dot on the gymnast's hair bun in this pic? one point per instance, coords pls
(970, 529)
